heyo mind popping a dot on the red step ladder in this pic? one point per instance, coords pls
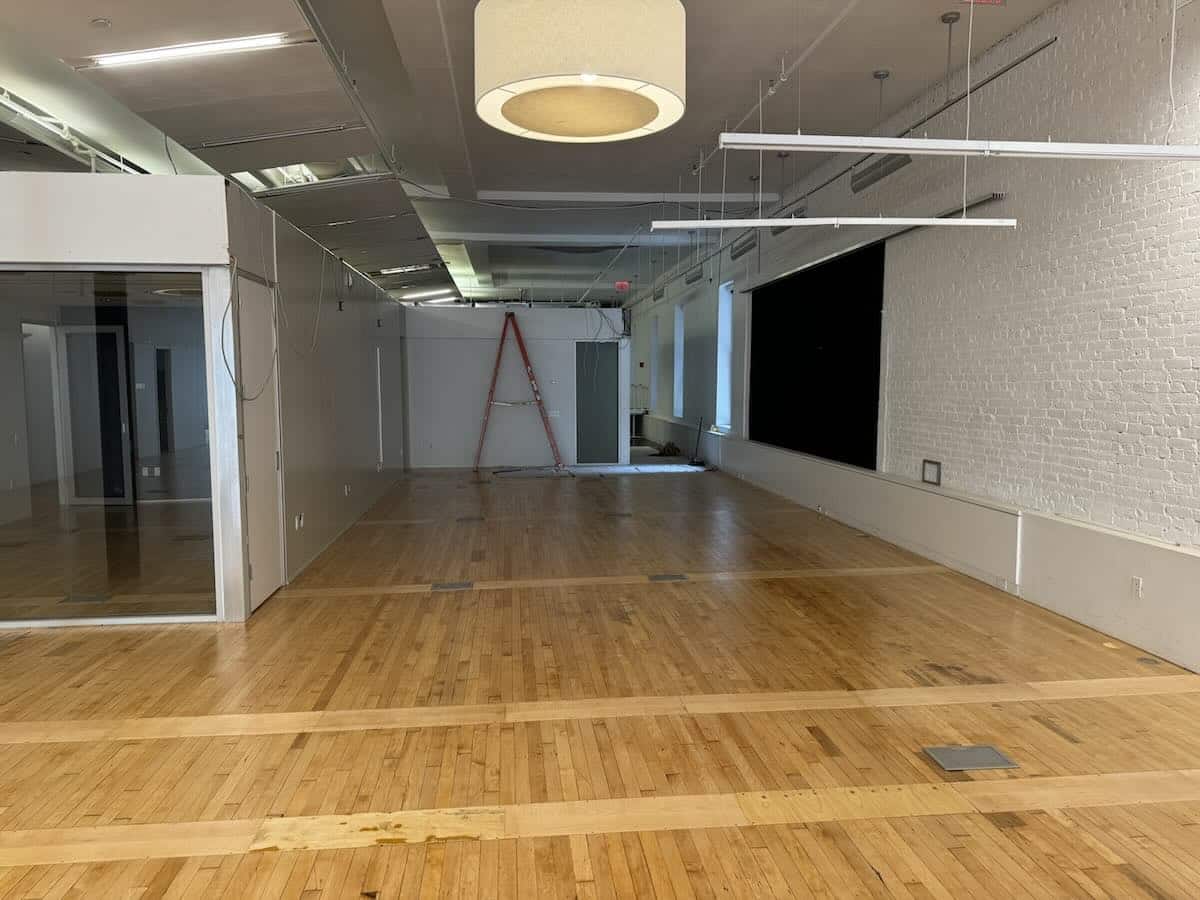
(510, 318)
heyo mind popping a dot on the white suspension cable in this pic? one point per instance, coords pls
(970, 51)
(1171, 68)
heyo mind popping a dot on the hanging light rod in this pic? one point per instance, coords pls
(825, 143)
(833, 221)
(198, 48)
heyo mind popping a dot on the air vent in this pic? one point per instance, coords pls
(861, 179)
(694, 275)
(660, 293)
(742, 246)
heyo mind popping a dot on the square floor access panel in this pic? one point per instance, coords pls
(968, 759)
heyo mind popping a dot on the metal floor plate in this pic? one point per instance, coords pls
(969, 759)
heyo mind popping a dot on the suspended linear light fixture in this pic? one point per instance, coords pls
(424, 295)
(183, 51)
(824, 143)
(833, 221)
(580, 71)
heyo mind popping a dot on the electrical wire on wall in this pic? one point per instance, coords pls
(303, 354)
(239, 388)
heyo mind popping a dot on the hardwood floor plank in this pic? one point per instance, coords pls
(571, 726)
(565, 818)
(177, 727)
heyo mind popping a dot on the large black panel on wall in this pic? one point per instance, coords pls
(814, 359)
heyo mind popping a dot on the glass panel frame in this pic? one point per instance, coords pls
(230, 575)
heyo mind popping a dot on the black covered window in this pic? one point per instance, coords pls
(814, 359)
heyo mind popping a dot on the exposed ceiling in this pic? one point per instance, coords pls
(510, 217)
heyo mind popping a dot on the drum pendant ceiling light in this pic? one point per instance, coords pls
(580, 71)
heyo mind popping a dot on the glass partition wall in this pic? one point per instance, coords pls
(105, 479)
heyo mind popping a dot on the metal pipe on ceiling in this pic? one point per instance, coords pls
(278, 135)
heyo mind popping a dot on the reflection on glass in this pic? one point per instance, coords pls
(105, 493)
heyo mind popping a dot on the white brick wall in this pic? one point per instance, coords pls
(1057, 368)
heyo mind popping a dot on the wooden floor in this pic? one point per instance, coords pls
(638, 686)
(69, 562)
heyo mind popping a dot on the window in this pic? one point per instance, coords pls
(677, 404)
(815, 359)
(724, 416)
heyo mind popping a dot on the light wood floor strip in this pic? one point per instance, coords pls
(611, 580)
(590, 817)
(168, 727)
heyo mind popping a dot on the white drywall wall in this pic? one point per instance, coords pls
(54, 217)
(328, 388)
(451, 356)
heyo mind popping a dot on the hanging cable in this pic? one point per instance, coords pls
(760, 153)
(799, 81)
(611, 263)
(317, 323)
(970, 50)
(1171, 68)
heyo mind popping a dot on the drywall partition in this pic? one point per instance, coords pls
(118, 219)
(334, 326)
(451, 355)
(1145, 592)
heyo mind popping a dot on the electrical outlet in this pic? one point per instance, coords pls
(1137, 586)
(346, 488)
(299, 521)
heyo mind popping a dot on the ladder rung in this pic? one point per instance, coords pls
(507, 403)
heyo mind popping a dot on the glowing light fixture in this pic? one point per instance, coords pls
(183, 51)
(422, 295)
(407, 270)
(827, 143)
(832, 221)
(580, 71)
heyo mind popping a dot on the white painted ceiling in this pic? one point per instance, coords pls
(411, 62)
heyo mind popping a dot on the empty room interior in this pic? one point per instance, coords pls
(599, 449)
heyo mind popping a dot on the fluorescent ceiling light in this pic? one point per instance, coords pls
(421, 295)
(182, 51)
(834, 221)
(407, 270)
(824, 143)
